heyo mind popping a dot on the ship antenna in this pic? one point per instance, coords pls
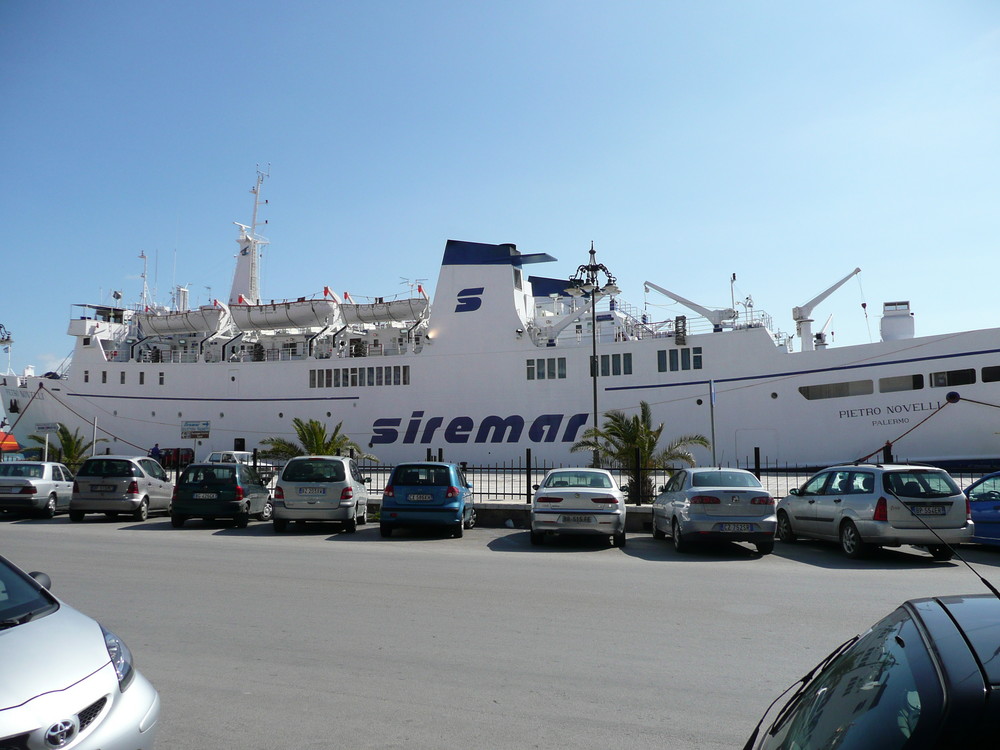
(144, 302)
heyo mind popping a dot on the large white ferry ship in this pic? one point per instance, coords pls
(501, 363)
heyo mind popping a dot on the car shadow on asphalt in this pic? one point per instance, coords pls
(822, 554)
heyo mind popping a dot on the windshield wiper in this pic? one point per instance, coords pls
(14, 621)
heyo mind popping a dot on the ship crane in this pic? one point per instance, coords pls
(715, 317)
(801, 315)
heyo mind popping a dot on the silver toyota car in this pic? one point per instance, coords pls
(67, 681)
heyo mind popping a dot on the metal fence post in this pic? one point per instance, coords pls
(527, 476)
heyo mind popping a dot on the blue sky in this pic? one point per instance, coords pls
(783, 141)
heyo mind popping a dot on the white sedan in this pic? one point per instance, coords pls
(578, 501)
(702, 504)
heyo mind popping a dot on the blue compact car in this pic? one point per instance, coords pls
(984, 504)
(427, 494)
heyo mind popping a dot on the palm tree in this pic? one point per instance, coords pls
(66, 447)
(625, 438)
(314, 440)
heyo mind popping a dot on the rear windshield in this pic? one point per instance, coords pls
(109, 467)
(208, 475)
(314, 471)
(578, 479)
(920, 483)
(32, 471)
(421, 476)
(724, 479)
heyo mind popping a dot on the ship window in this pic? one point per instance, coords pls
(674, 360)
(312, 378)
(837, 390)
(371, 375)
(104, 376)
(627, 364)
(696, 357)
(329, 378)
(378, 376)
(688, 358)
(122, 377)
(991, 374)
(685, 359)
(901, 383)
(406, 374)
(561, 367)
(336, 378)
(161, 378)
(552, 368)
(142, 378)
(952, 377)
(86, 376)
(661, 360)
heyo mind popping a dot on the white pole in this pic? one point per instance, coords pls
(711, 410)
(93, 444)
(46, 447)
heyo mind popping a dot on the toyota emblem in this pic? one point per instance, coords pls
(60, 734)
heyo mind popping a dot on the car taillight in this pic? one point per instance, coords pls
(881, 510)
(762, 500)
(279, 493)
(549, 500)
(605, 500)
(704, 500)
(968, 510)
(133, 488)
(388, 491)
(452, 492)
(29, 490)
(347, 493)
(239, 492)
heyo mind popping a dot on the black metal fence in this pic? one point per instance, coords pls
(513, 481)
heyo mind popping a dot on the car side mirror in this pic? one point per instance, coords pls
(43, 579)
(535, 486)
(794, 491)
(366, 480)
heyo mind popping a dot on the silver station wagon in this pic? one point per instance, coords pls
(866, 506)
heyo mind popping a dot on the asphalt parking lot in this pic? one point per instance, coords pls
(318, 639)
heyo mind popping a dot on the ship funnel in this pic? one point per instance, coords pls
(897, 321)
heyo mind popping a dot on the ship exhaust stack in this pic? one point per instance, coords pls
(897, 321)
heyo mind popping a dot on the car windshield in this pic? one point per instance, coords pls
(724, 479)
(920, 483)
(421, 476)
(208, 475)
(881, 693)
(314, 470)
(578, 479)
(31, 471)
(20, 599)
(109, 467)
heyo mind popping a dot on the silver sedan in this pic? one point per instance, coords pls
(702, 504)
(578, 501)
(41, 487)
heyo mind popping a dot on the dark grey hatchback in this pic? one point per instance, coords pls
(217, 490)
(926, 676)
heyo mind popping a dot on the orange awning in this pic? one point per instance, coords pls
(8, 443)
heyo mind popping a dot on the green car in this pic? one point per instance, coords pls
(220, 490)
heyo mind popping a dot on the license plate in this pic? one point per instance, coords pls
(102, 488)
(576, 519)
(206, 496)
(8, 490)
(737, 527)
(312, 490)
(929, 510)
(419, 498)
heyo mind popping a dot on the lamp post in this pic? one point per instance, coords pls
(585, 282)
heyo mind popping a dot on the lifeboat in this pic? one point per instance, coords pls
(205, 319)
(302, 313)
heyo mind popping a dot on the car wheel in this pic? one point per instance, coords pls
(142, 512)
(49, 511)
(785, 532)
(242, 519)
(266, 512)
(680, 545)
(765, 548)
(619, 539)
(470, 522)
(351, 526)
(76, 515)
(850, 541)
(537, 537)
(177, 521)
(458, 530)
(941, 552)
(385, 530)
(657, 531)
(280, 525)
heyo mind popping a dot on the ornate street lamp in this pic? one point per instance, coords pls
(586, 283)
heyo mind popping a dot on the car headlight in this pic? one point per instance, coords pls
(121, 658)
